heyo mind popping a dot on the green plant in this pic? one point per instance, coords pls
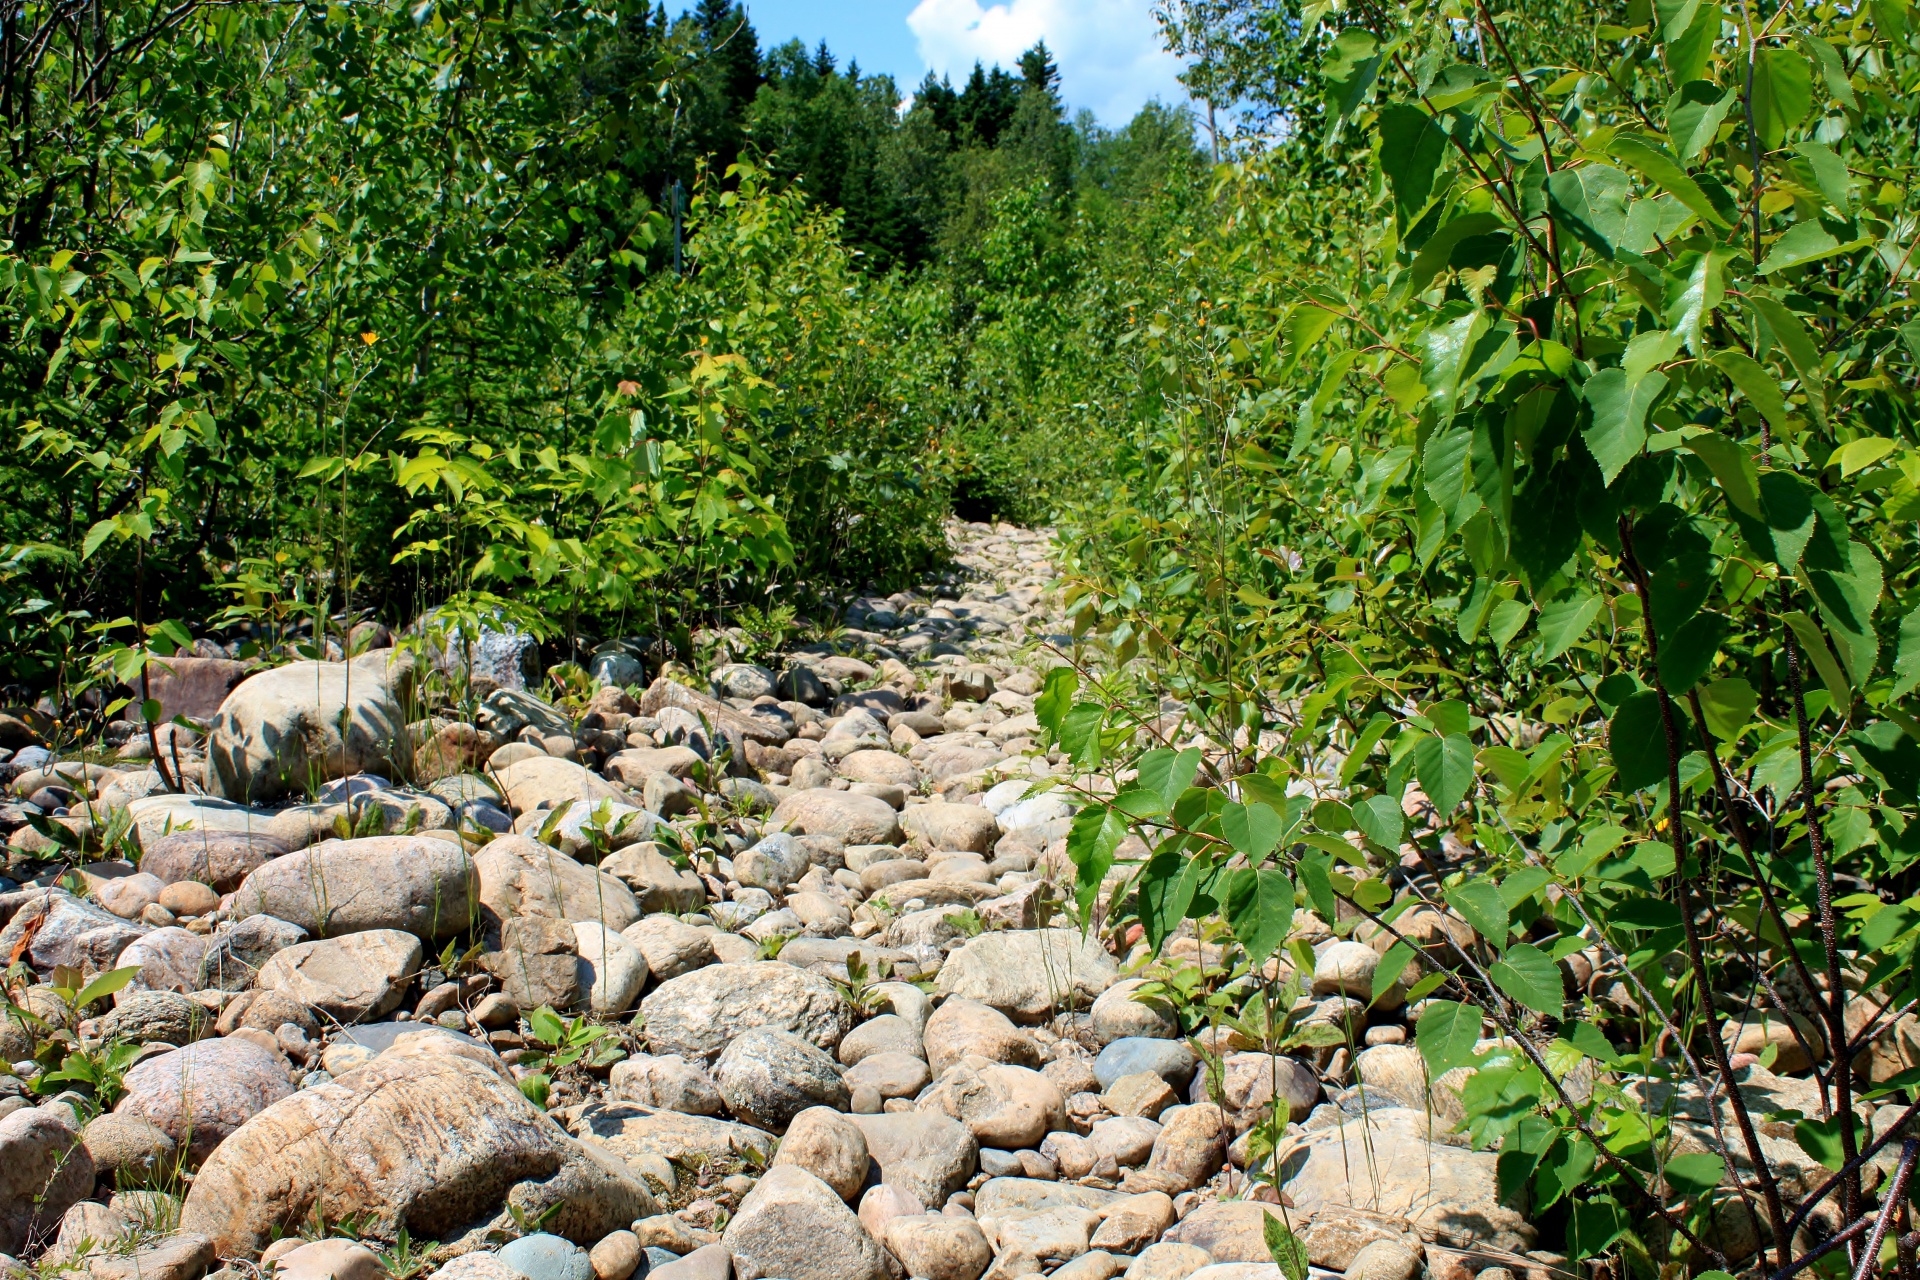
(564, 1042)
(98, 1071)
(773, 944)
(861, 985)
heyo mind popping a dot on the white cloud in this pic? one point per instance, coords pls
(1108, 51)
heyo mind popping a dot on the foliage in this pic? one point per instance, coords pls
(1522, 511)
(564, 1042)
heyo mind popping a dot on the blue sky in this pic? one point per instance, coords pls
(1109, 51)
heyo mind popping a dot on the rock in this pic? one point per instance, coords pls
(328, 1260)
(1251, 1081)
(830, 1147)
(182, 1255)
(854, 819)
(1029, 976)
(546, 1257)
(414, 884)
(616, 1257)
(547, 782)
(888, 1033)
(54, 928)
(881, 767)
(129, 896)
(202, 1093)
(1190, 1149)
(635, 1133)
(189, 898)
(743, 680)
(697, 1014)
(938, 1247)
(587, 831)
(664, 693)
(951, 826)
(926, 1155)
(616, 969)
(1041, 1241)
(431, 1135)
(1168, 1260)
(128, 1148)
(1119, 1015)
(1337, 1232)
(537, 965)
(1134, 1223)
(1754, 1034)
(282, 728)
(1229, 1230)
(1002, 1106)
(219, 859)
(1127, 1140)
(889, 1075)
(709, 1262)
(236, 952)
(156, 1017)
(1396, 1075)
(1450, 1194)
(1347, 968)
(521, 877)
(1143, 1094)
(168, 960)
(669, 1082)
(656, 883)
(671, 948)
(1384, 1260)
(44, 1170)
(960, 1027)
(478, 1265)
(793, 1226)
(773, 864)
(352, 979)
(192, 687)
(1171, 1060)
(769, 1076)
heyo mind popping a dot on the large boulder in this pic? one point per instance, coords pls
(698, 1014)
(352, 979)
(192, 687)
(44, 1171)
(169, 959)
(548, 782)
(221, 859)
(1029, 975)
(845, 815)
(794, 1226)
(1388, 1163)
(522, 877)
(54, 928)
(415, 884)
(200, 1094)
(292, 727)
(158, 816)
(432, 1136)
(768, 1077)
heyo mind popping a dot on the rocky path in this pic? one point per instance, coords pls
(764, 978)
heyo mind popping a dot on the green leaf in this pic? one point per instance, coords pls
(1829, 175)
(1757, 385)
(1890, 19)
(1637, 741)
(1446, 1035)
(1814, 645)
(1590, 1040)
(1306, 324)
(1447, 470)
(1906, 662)
(1590, 200)
(1411, 148)
(1479, 903)
(1728, 704)
(1080, 733)
(1805, 242)
(1690, 36)
(1169, 772)
(1349, 69)
(1833, 69)
(1690, 307)
(1253, 830)
(547, 1026)
(1507, 620)
(99, 533)
(1857, 455)
(1379, 819)
(1445, 348)
(1565, 621)
(1597, 1222)
(1618, 430)
(1388, 971)
(1438, 250)
(1056, 696)
(1091, 840)
(1688, 653)
(1694, 115)
(1444, 767)
(1563, 1170)
(1314, 871)
(1847, 602)
(1821, 1140)
(1259, 909)
(1782, 93)
(1288, 1253)
(1731, 465)
(1526, 974)
(1661, 169)
(105, 985)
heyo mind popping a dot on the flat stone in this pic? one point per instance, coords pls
(1171, 1060)
(1029, 976)
(353, 979)
(414, 884)
(698, 1014)
(547, 1257)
